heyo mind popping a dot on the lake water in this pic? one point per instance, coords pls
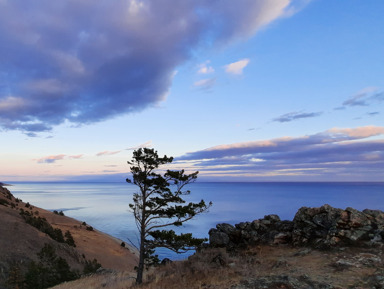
(105, 205)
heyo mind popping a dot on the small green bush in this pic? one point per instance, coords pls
(91, 266)
(69, 239)
(49, 271)
(4, 202)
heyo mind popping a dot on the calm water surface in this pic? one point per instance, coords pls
(105, 205)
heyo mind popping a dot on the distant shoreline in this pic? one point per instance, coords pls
(5, 185)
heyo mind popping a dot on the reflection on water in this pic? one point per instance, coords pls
(105, 205)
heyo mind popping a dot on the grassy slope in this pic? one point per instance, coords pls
(19, 242)
(218, 269)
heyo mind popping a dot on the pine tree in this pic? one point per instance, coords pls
(160, 204)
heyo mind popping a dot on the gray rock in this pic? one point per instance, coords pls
(225, 228)
(218, 239)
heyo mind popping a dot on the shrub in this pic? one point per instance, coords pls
(61, 213)
(69, 239)
(15, 277)
(91, 266)
(43, 226)
(4, 202)
(89, 228)
(49, 271)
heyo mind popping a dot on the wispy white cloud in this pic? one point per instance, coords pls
(147, 144)
(365, 97)
(205, 84)
(291, 116)
(237, 67)
(205, 68)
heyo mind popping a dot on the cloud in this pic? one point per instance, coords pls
(338, 153)
(291, 116)
(76, 157)
(86, 61)
(205, 84)
(365, 97)
(54, 158)
(50, 159)
(144, 145)
(237, 67)
(107, 153)
(357, 133)
(204, 68)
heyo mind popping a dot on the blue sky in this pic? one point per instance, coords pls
(246, 90)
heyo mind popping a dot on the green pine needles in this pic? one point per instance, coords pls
(160, 204)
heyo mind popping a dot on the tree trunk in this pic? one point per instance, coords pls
(140, 269)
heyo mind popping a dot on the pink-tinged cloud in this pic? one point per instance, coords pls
(51, 159)
(336, 154)
(360, 132)
(107, 153)
(76, 156)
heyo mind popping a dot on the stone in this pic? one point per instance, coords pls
(322, 227)
(217, 238)
(272, 218)
(225, 228)
(282, 238)
(166, 261)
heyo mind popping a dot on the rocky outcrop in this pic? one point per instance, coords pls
(321, 227)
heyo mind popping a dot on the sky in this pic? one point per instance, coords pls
(245, 90)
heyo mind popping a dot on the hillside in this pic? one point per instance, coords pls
(321, 248)
(20, 242)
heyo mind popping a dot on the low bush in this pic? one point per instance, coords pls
(4, 202)
(69, 239)
(49, 271)
(42, 225)
(91, 266)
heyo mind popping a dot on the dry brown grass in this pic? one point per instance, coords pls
(218, 269)
(121, 280)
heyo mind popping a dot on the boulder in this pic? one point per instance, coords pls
(321, 227)
(218, 238)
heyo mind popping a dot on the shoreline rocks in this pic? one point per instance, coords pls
(321, 227)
